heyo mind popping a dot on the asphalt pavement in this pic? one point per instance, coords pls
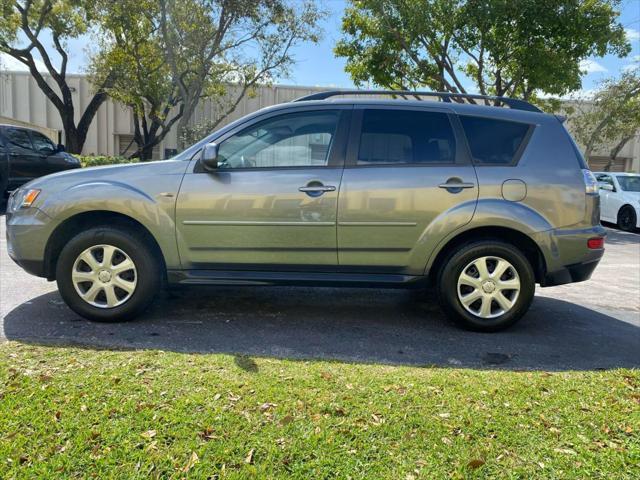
(585, 326)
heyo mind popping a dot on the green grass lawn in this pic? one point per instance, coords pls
(74, 413)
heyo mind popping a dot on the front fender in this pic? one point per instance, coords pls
(153, 207)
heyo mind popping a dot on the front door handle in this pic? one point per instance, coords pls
(315, 189)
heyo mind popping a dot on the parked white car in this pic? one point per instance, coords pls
(620, 199)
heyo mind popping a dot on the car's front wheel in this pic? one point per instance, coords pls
(108, 274)
(627, 218)
(486, 286)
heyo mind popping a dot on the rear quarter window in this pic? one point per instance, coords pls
(494, 142)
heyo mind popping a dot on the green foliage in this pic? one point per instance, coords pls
(611, 118)
(83, 413)
(505, 47)
(131, 50)
(100, 160)
(42, 28)
(210, 44)
(169, 55)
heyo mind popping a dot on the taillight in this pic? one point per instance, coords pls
(590, 182)
(595, 243)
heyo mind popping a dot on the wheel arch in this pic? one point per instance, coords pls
(94, 218)
(520, 240)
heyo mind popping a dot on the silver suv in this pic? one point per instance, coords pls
(476, 201)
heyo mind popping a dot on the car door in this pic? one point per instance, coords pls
(51, 160)
(25, 163)
(608, 210)
(408, 182)
(271, 203)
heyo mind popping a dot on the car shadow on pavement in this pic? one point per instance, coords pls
(353, 325)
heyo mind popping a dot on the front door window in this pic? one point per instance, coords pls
(292, 140)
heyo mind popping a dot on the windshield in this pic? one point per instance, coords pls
(629, 183)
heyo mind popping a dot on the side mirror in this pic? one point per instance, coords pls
(60, 148)
(606, 186)
(209, 156)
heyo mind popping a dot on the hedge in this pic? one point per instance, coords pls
(98, 160)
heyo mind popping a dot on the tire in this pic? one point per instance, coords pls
(627, 219)
(108, 302)
(453, 286)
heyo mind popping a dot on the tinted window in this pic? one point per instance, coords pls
(40, 142)
(405, 136)
(291, 140)
(629, 183)
(493, 142)
(18, 137)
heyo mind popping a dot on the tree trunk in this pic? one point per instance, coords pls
(182, 125)
(615, 151)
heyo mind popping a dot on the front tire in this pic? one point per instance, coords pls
(486, 286)
(627, 218)
(108, 274)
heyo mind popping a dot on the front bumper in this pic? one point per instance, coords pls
(27, 234)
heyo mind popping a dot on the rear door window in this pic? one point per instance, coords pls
(494, 142)
(406, 137)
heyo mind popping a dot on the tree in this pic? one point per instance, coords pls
(504, 47)
(169, 55)
(210, 43)
(25, 26)
(131, 50)
(611, 119)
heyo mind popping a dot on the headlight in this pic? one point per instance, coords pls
(23, 199)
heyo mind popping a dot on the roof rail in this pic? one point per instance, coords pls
(444, 96)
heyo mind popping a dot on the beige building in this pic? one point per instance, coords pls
(21, 101)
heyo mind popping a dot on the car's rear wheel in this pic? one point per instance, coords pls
(486, 286)
(108, 274)
(627, 218)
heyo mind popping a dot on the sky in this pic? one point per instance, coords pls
(316, 64)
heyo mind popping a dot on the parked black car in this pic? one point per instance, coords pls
(26, 154)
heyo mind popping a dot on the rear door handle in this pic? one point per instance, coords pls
(315, 189)
(323, 188)
(455, 185)
(452, 185)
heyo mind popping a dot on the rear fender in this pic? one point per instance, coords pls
(504, 214)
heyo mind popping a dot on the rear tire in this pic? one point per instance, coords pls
(627, 218)
(486, 286)
(108, 274)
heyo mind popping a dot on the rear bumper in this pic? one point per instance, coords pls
(570, 274)
(567, 257)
